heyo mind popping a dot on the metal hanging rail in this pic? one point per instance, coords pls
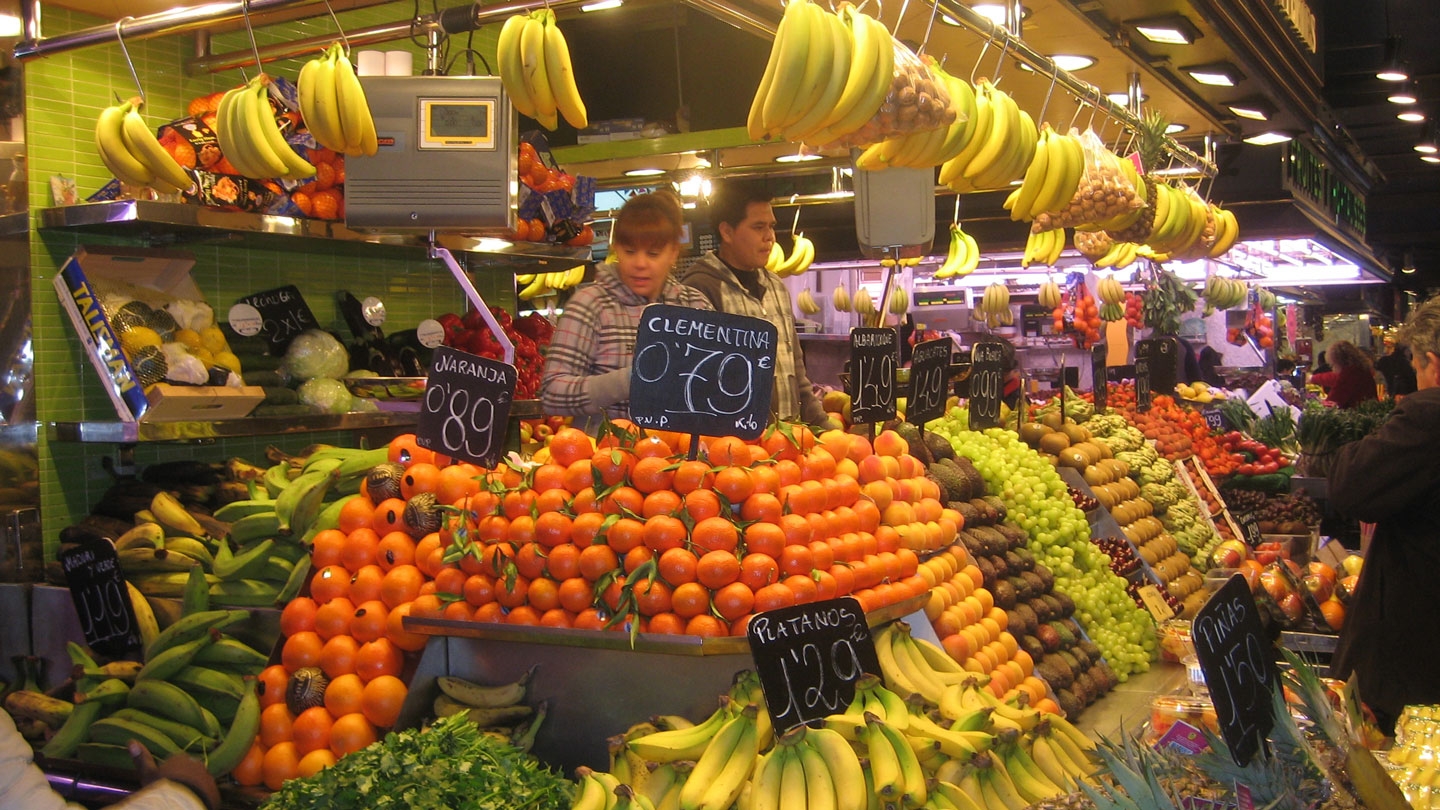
(1083, 91)
(163, 23)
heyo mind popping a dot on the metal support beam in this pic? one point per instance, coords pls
(172, 21)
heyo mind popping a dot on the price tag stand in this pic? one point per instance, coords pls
(1239, 667)
(929, 370)
(874, 358)
(466, 407)
(102, 601)
(1099, 384)
(987, 381)
(1142, 375)
(809, 657)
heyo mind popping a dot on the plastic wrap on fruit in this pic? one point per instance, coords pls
(315, 353)
(916, 101)
(191, 314)
(1106, 190)
(325, 395)
(184, 367)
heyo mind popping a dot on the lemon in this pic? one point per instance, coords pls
(137, 337)
(203, 355)
(213, 339)
(228, 360)
(189, 337)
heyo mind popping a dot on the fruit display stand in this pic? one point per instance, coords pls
(1103, 525)
(595, 683)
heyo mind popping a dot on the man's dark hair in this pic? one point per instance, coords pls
(729, 203)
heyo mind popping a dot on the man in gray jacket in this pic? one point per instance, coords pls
(734, 278)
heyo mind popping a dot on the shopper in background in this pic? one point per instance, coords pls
(587, 367)
(1399, 375)
(733, 277)
(180, 783)
(1352, 381)
(1392, 478)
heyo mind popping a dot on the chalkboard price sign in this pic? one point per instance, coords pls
(702, 372)
(1239, 667)
(1214, 417)
(1097, 375)
(987, 382)
(874, 356)
(1143, 396)
(929, 369)
(466, 408)
(1164, 363)
(809, 657)
(284, 315)
(1249, 529)
(97, 587)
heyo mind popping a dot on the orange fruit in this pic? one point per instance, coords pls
(343, 695)
(395, 548)
(298, 616)
(302, 650)
(734, 600)
(570, 444)
(337, 657)
(281, 763)
(714, 534)
(401, 584)
(690, 599)
(312, 730)
(382, 700)
(250, 772)
(716, 569)
(402, 638)
(315, 762)
(350, 733)
(325, 547)
(378, 657)
(276, 725)
(273, 680)
(367, 621)
(365, 584)
(333, 618)
(329, 582)
(678, 565)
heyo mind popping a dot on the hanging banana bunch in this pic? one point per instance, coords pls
(250, 138)
(994, 307)
(1043, 247)
(333, 104)
(1224, 293)
(840, 299)
(1049, 295)
(129, 149)
(1112, 299)
(807, 303)
(534, 66)
(963, 256)
(539, 285)
(802, 254)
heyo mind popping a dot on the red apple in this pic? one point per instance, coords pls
(1275, 585)
(1319, 587)
(1230, 554)
(1292, 607)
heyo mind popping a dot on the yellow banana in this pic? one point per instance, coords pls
(954, 168)
(511, 67)
(324, 119)
(141, 143)
(110, 144)
(355, 116)
(846, 773)
(1001, 133)
(268, 134)
(1030, 185)
(562, 76)
(532, 53)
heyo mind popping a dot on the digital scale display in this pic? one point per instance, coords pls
(457, 123)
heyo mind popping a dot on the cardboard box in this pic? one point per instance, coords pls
(201, 403)
(91, 286)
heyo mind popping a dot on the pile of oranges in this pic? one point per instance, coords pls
(628, 534)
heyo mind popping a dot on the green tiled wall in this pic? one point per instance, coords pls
(65, 93)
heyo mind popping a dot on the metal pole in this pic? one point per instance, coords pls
(206, 62)
(172, 21)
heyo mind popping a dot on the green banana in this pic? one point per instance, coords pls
(328, 518)
(225, 756)
(209, 685)
(231, 654)
(190, 547)
(73, 732)
(255, 527)
(169, 584)
(104, 755)
(298, 576)
(276, 479)
(361, 462)
(108, 692)
(79, 656)
(290, 551)
(246, 565)
(244, 592)
(164, 665)
(236, 510)
(118, 731)
(155, 560)
(298, 512)
(126, 671)
(277, 569)
(188, 738)
(196, 596)
(192, 626)
(171, 702)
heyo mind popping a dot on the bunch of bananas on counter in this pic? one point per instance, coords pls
(534, 65)
(191, 692)
(1112, 299)
(539, 285)
(921, 734)
(131, 152)
(1051, 178)
(802, 255)
(255, 551)
(1001, 149)
(250, 138)
(826, 76)
(333, 104)
(1222, 293)
(963, 256)
(807, 303)
(1043, 247)
(994, 307)
(498, 710)
(933, 147)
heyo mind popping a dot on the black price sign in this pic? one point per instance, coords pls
(1164, 364)
(702, 372)
(1249, 529)
(809, 657)
(466, 408)
(1214, 418)
(987, 383)
(92, 571)
(1239, 667)
(1142, 375)
(929, 369)
(874, 356)
(1100, 385)
(284, 315)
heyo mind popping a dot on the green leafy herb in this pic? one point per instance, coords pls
(449, 765)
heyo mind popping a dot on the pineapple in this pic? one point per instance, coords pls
(1152, 151)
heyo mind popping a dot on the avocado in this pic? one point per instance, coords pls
(939, 446)
(952, 482)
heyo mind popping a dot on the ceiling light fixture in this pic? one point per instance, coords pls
(995, 12)
(1071, 61)
(1171, 129)
(646, 172)
(948, 20)
(1404, 94)
(1123, 99)
(601, 5)
(1428, 142)
(1215, 74)
(1253, 109)
(1172, 29)
(10, 25)
(1269, 138)
(1430, 158)
(1391, 70)
(798, 157)
(1412, 116)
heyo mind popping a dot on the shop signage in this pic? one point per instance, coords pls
(874, 357)
(929, 370)
(1249, 529)
(809, 657)
(702, 372)
(987, 381)
(1214, 417)
(1302, 20)
(1099, 383)
(1239, 667)
(97, 587)
(1306, 175)
(283, 315)
(466, 408)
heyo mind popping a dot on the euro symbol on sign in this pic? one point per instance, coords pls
(764, 362)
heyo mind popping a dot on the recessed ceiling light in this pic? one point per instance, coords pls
(1253, 109)
(995, 12)
(1071, 61)
(1391, 70)
(1426, 148)
(647, 172)
(1394, 74)
(1172, 29)
(1217, 74)
(1430, 158)
(1269, 138)
(10, 25)
(1171, 129)
(601, 5)
(1404, 94)
(798, 157)
(1411, 116)
(1123, 99)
